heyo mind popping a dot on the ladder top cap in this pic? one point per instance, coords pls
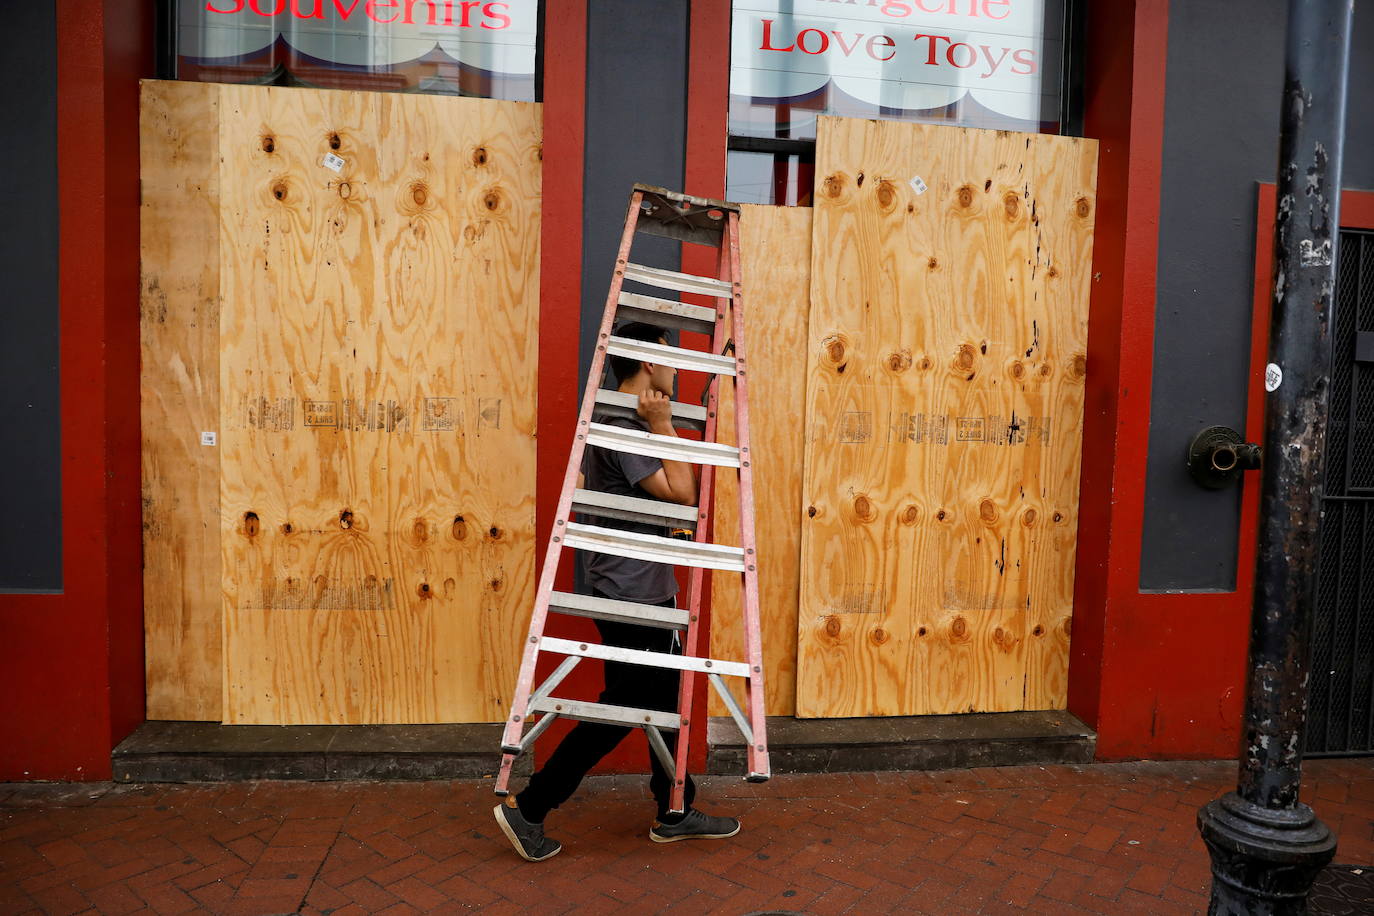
(683, 201)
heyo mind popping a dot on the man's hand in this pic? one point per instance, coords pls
(657, 410)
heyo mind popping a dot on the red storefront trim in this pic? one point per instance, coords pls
(73, 661)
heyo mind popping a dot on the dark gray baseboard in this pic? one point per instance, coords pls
(907, 743)
(209, 752)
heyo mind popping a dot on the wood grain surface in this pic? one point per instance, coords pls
(946, 357)
(775, 257)
(378, 365)
(179, 322)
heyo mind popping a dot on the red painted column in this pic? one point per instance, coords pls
(1158, 675)
(73, 662)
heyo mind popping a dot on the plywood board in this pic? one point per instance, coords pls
(378, 397)
(946, 358)
(179, 148)
(775, 256)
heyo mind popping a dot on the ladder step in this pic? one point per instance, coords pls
(665, 313)
(635, 509)
(639, 442)
(609, 715)
(620, 404)
(642, 657)
(647, 615)
(653, 548)
(677, 357)
(671, 279)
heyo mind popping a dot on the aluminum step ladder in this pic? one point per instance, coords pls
(655, 211)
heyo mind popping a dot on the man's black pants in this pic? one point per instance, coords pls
(588, 742)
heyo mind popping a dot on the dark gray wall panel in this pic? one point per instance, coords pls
(30, 461)
(1225, 78)
(636, 121)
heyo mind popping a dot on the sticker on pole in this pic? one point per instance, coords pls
(918, 185)
(207, 437)
(1273, 377)
(333, 162)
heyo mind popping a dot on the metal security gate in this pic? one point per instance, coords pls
(1341, 712)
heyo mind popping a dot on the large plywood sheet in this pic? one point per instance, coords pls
(179, 146)
(775, 256)
(378, 397)
(946, 349)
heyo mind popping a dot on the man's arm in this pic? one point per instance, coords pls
(676, 481)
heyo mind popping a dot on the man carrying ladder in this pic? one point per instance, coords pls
(633, 477)
(619, 578)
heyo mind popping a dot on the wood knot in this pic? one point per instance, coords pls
(1052, 272)
(833, 186)
(887, 195)
(346, 519)
(810, 511)
(965, 195)
(424, 590)
(492, 200)
(834, 349)
(1079, 367)
(251, 525)
(1011, 203)
(420, 530)
(941, 515)
(987, 186)
(1028, 518)
(279, 190)
(479, 156)
(987, 511)
(495, 584)
(859, 180)
(419, 193)
(1018, 371)
(924, 363)
(345, 190)
(959, 628)
(334, 141)
(964, 358)
(920, 631)
(1046, 370)
(933, 263)
(879, 636)
(1038, 630)
(833, 626)
(1068, 626)
(1082, 208)
(495, 533)
(863, 509)
(910, 515)
(286, 528)
(460, 528)
(1058, 517)
(269, 144)
(899, 361)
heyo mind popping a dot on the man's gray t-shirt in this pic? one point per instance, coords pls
(620, 473)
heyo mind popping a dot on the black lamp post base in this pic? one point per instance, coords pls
(1263, 860)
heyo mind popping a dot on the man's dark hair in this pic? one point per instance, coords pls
(623, 367)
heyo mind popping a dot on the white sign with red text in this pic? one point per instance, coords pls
(897, 54)
(494, 35)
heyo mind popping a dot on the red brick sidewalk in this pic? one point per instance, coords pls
(1114, 838)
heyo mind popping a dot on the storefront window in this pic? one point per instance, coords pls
(975, 63)
(485, 49)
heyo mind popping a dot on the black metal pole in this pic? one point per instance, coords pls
(1266, 846)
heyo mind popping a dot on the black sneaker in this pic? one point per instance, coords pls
(695, 826)
(528, 839)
